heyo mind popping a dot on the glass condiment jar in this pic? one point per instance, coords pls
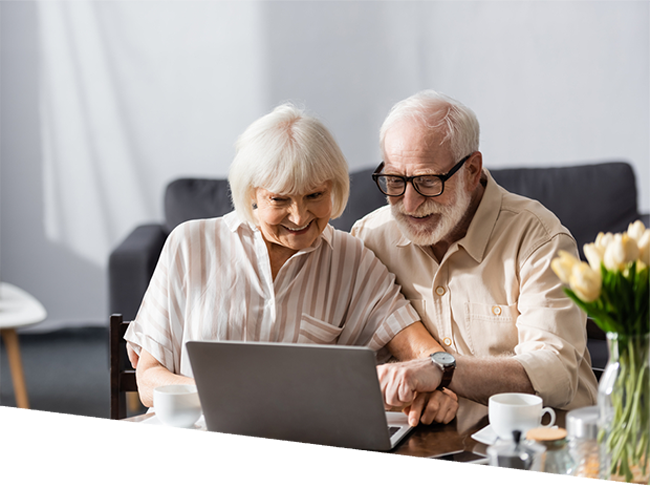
(582, 429)
(557, 458)
(515, 454)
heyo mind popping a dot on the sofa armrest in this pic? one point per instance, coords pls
(131, 266)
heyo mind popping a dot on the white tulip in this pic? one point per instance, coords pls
(585, 282)
(620, 251)
(644, 247)
(603, 240)
(635, 230)
(594, 255)
(563, 265)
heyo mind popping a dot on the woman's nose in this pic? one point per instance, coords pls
(298, 213)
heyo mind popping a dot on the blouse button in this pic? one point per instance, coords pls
(496, 310)
(440, 291)
(446, 341)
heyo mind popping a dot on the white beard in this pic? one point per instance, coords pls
(449, 217)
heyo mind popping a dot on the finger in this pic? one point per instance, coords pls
(431, 409)
(415, 410)
(392, 395)
(450, 393)
(447, 410)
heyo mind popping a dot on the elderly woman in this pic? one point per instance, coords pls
(274, 270)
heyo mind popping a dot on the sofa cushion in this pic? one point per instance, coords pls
(195, 198)
(586, 198)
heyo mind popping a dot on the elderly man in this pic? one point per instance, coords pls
(474, 260)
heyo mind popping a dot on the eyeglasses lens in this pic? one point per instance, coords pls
(395, 186)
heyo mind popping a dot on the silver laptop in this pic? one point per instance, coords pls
(327, 395)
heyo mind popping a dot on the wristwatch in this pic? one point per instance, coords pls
(447, 363)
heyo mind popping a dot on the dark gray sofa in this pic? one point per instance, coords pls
(587, 198)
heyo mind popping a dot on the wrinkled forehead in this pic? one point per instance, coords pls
(411, 144)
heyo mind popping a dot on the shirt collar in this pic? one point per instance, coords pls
(234, 222)
(480, 228)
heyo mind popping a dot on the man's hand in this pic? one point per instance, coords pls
(437, 406)
(401, 381)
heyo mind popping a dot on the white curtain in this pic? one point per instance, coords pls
(134, 94)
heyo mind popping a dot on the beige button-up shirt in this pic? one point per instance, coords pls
(494, 293)
(213, 282)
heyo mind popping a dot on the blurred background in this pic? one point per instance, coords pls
(102, 103)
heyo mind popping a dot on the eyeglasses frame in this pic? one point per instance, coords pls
(409, 179)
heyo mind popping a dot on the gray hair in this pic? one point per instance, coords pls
(287, 152)
(437, 111)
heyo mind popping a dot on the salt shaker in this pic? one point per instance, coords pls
(557, 458)
(582, 428)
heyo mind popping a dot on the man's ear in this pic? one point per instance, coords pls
(474, 167)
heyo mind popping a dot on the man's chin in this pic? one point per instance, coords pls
(418, 235)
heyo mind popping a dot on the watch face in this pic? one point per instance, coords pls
(444, 358)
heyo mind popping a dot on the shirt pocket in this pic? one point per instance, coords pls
(491, 329)
(314, 331)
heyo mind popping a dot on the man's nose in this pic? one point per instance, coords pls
(412, 199)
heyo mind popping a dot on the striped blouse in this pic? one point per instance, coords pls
(213, 282)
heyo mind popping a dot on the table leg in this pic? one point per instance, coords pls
(16, 366)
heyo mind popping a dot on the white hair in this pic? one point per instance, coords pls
(286, 152)
(437, 111)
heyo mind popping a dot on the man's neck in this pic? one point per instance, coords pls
(440, 248)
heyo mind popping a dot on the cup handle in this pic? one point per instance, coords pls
(551, 412)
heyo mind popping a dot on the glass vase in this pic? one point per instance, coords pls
(624, 410)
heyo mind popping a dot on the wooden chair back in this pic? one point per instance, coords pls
(122, 374)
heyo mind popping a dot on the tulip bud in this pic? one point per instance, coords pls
(603, 240)
(585, 282)
(594, 255)
(635, 230)
(563, 265)
(620, 251)
(644, 247)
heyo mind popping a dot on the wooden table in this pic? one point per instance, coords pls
(436, 453)
(17, 309)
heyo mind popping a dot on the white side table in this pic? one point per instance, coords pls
(17, 309)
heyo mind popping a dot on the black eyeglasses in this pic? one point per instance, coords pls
(425, 185)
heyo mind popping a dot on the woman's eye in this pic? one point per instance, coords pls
(315, 195)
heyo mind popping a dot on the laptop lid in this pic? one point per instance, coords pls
(318, 394)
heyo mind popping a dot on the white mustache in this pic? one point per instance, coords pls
(426, 209)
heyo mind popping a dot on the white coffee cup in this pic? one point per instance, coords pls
(516, 411)
(177, 405)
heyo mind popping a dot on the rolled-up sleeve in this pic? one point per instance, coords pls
(154, 329)
(551, 328)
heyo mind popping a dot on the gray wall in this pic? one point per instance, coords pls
(71, 289)
(552, 83)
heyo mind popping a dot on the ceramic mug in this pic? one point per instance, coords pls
(516, 411)
(177, 405)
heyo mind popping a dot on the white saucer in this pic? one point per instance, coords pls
(486, 435)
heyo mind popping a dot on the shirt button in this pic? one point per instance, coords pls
(440, 291)
(496, 310)
(446, 341)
